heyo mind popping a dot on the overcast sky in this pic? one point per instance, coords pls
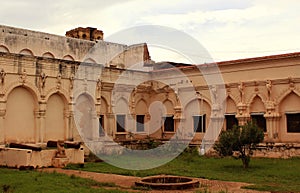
(230, 29)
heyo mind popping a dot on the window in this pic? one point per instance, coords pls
(101, 125)
(293, 122)
(169, 124)
(120, 123)
(230, 121)
(260, 121)
(140, 123)
(199, 123)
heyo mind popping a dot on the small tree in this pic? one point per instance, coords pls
(241, 139)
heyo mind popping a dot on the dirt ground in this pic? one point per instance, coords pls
(127, 182)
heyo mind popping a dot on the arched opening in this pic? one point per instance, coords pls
(20, 119)
(230, 119)
(197, 115)
(290, 119)
(257, 111)
(141, 110)
(169, 125)
(102, 118)
(84, 113)
(55, 125)
(121, 110)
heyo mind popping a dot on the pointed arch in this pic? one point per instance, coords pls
(89, 60)
(21, 107)
(169, 105)
(231, 105)
(31, 88)
(55, 128)
(285, 93)
(257, 105)
(235, 98)
(104, 106)
(62, 92)
(141, 107)
(290, 103)
(261, 96)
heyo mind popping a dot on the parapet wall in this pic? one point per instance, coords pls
(27, 42)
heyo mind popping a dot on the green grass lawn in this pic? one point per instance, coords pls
(265, 174)
(15, 181)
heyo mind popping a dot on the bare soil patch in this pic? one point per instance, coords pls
(127, 182)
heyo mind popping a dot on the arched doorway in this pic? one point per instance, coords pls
(84, 112)
(55, 123)
(20, 118)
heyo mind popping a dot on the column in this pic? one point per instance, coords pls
(111, 128)
(67, 124)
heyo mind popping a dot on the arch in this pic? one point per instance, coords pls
(193, 107)
(261, 96)
(80, 91)
(48, 55)
(141, 107)
(230, 105)
(234, 98)
(89, 60)
(196, 108)
(4, 49)
(20, 116)
(30, 87)
(104, 106)
(290, 103)
(257, 105)
(62, 92)
(285, 93)
(55, 128)
(68, 57)
(169, 105)
(27, 52)
(84, 114)
(121, 106)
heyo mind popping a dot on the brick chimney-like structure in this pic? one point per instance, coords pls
(88, 33)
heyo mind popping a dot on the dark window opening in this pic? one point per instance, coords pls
(169, 124)
(101, 125)
(260, 121)
(120, 123)
(231, 120)
(293, 122)
(140, 123)
(199, 123)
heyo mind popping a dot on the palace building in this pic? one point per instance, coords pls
(47, 81)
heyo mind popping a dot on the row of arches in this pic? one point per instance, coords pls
(29, 52)
(22, 112)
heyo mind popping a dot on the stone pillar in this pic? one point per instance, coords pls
(2, 129)
(67, 125)
(242, 115)
(177, 117)
(272, 120)
(40, 119)
(71, 125)
(111, 126)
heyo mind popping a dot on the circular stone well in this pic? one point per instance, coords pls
(166, 182)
